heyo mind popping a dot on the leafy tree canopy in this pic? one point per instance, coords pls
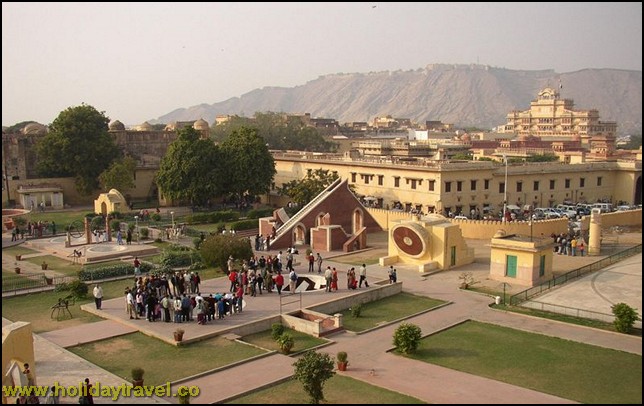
(304, 190)
(466, 156)
(17, 127)
(191, 169)
(542, 158)
(77, 145)
(635, 142)
(119, 176)
(247, 164)
(278, 130)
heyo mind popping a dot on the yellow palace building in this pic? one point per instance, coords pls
(460, 187)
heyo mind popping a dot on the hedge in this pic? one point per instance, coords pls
(111, 271)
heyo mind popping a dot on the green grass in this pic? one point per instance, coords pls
(162, 362)
(36, 307)
(302, 341)
(11, 279)
(61, 218)
(339, 389)
(18, 250)
(568, 369)
(388, 309)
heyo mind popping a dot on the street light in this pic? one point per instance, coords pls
(505, 187)
(172, 214)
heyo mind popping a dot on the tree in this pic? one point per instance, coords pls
(303, 191)
(77, 145)
(407, 338)
(191, 169)
(313, 370)
(280, 131)
(120, 175)
(542, 158)
(216, 249)
(249, 167)
(625, 317)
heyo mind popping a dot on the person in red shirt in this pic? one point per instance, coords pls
(239, 296)
(279, 282)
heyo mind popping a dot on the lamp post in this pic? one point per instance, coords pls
(136, 228)
(505, 187)
(172, 214)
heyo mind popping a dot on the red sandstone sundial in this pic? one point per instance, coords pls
(411, 238)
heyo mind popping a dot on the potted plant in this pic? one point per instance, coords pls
(286, 343)
(17, 269)
(48, 280)
(18, 257)
(342, 360)
(137, 377)
(178, 334)
(44, 265)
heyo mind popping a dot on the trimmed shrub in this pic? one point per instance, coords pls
(78, 289)
(313, 370)
(407, 337)
(145, 232)
(243, 225)
(356, 310)
(625, 317)
(112, 271)
(286, 343)
(277, 329)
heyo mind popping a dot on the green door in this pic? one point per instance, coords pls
(511, 266)
(542, 265)
(453, 256)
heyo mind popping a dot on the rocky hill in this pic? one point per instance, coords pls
(466, 95)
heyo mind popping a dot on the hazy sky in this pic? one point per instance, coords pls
(138, 61)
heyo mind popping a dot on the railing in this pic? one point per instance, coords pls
(32, 283)
(574, 312)
(522, 296)
(284, 228)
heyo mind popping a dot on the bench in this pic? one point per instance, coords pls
(62, 306)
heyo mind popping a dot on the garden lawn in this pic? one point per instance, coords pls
(18, 250)
(339, 389)
(12, 280)
(568, 369)
(302, 341)
(36, 307)
(162, 362)
(388, 309)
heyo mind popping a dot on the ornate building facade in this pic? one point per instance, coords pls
(551, 117)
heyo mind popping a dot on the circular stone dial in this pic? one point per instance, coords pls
(410, 239)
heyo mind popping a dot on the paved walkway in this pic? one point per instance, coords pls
(87, 333)
(368, 356)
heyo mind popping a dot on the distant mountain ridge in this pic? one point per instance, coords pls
(465, 95)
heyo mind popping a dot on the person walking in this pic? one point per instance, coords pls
(363, 276)
(98, 296)
(292, 281)
(279, 282)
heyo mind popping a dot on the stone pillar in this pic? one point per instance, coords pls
(88, 233)
(595, 232)
(107, 228)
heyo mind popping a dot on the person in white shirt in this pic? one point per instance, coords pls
(98, 296)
